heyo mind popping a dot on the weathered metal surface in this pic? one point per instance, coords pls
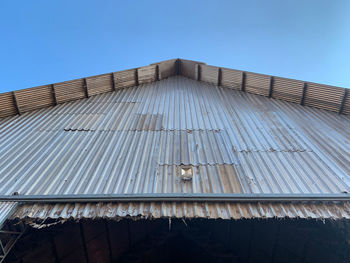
(6, 209)
(75, 211)
(135, 140)
(125, 141)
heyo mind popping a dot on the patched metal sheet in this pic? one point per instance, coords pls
(221, 178)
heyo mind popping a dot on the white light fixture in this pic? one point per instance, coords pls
(186, 173)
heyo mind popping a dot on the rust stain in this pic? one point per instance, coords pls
(148, 122)
(229, 179)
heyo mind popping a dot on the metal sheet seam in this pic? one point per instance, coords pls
(174, 198)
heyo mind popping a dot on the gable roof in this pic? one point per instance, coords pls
(136, 140)
(124, 133)
(305, 93)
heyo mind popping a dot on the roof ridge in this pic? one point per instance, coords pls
(316, 95)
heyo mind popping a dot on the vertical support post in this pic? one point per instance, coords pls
(86, 91)
(277, 236)
(302, 102)
(271, 86)
(53, 92)
(342, 105)
(178, 66)
(129, 234)
(219, 76)
(109, 241)
(250, 246)
(84, 242)
(243, 81)
(113, 82)
(54, 249)
(136, 77)
(157, 72)
(199, 72)
(15, 103)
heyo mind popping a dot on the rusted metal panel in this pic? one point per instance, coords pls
(117, 211)
(221, 178)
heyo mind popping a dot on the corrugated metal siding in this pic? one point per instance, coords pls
(135, 140)
(6, 209)
(183, 210)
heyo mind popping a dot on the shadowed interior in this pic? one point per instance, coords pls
(183, 240)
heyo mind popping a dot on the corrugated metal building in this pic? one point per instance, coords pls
(168, 143)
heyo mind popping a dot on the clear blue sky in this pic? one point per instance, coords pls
(43, 42)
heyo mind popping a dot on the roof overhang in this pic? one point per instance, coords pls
(321, 96)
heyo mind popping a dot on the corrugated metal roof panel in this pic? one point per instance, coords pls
(134, 140)
(6, 209)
